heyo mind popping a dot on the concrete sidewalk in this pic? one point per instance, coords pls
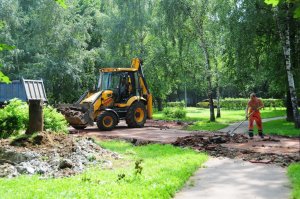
(234, 179)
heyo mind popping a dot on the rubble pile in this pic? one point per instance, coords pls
(220, 144)
(52, 156)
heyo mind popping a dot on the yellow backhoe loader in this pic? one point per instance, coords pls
(122, 93)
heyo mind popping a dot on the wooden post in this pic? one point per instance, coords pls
(36, 120)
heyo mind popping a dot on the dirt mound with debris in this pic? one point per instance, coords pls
(51, 155)
(74, 114)
(272, 149)
(162, 124)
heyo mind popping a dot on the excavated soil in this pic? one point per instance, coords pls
(51, 155)
(162, 124)
(270, 150)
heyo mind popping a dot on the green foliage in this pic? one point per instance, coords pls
(178, 113)
(161, 177)
(13, 118)
(297, 12)
(66, 47)
(54, 121)
(276, 2)
(206, 104)
(6, 47)
(138, 167)
(200, 117)
(294, 175)
(61, 3)
(180, 104)
(241, 103)
(272, 2)
(167, 112)
(4, 78)
(228, 116)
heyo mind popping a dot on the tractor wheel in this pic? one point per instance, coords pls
(79, 127)
(136, 115)
(107, 121)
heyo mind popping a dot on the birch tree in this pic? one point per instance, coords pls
(284, 32)
(198, 16)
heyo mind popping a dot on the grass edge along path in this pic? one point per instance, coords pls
(294, 176)
(201, 117)
(281, 127)
(164, 171)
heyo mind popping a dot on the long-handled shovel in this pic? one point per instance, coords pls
(232, 131)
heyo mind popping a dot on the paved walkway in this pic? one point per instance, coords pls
(148, 133)
(244, 127)
(159, 134)
(234, 179)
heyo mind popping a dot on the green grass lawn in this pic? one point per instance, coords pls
(164, 171)
(201, 117)
(280, 127)
(294, 175)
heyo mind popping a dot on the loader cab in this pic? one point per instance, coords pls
(124, 84)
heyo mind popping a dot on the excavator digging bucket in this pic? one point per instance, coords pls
(77, 114)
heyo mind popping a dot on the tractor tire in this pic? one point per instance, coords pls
(107, 121)
(136, 115)
(79, 127)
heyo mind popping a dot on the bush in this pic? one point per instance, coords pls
(54, 121)
(241, 103)
(234, 103)
(167, 111)
(180, 104)
(178, 113)
(15, 118)
(205, 103)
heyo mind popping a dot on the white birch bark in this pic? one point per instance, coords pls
(284, 34)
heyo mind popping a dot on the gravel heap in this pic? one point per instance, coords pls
(52, 156)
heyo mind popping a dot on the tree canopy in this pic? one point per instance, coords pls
(195, 45)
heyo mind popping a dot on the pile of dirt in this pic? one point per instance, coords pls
(163, 124)
(73, 114)
(69, 112)
(267, 150)
(51, 155)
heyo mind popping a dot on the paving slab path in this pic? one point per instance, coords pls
(235, 179)
(158, 134)
(244, 127)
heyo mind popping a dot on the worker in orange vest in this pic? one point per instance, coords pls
(252, 112)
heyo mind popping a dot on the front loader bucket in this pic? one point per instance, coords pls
(77, 114)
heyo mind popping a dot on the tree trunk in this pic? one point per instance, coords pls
(291, 83)
(159, 104)
(36, 120)
(198, 22)
(208, 70)
(289, 107)
(218, 89)
(218, 100)
(286, 46)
